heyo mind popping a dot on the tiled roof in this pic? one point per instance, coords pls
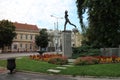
(21, 26)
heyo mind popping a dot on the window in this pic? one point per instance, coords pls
(21, 36)
(25, 45)
(21, 45)
(16, 37)
(26, 36)
(15, 46)
(31, 37)
(30, 46)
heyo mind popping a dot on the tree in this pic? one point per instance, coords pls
(104, 21)
(7, 33)
(42, 39)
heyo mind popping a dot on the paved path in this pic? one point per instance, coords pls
(31, 76)
(27, 76)
(9, 55)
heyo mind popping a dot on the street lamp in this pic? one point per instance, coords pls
(56, 33)
(56, 19)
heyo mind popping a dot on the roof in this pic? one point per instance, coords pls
(21, 26)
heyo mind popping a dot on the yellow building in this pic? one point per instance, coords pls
(76, 39)
(25, 38)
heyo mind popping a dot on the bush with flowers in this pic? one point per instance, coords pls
(86, 60)
(51, 58)
(58, 60)
(96, 59)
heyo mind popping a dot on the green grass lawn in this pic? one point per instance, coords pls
(30, 65)
(112, 70)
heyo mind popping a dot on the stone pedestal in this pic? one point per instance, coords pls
(66, 43)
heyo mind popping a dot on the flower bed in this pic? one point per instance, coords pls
(51, 58)
(110, 59)
(96, 59)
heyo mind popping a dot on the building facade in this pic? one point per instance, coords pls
(76, 39)
(25, 38)
(55, 40)
(55, 43)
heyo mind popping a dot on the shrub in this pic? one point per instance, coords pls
(58, 60)
(85, 51)
(86, 60)
(77, 50)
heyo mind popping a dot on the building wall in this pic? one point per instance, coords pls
(24, 41)
(76, 39)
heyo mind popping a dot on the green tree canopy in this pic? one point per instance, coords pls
(42, 39)
(104, 21)
(7, 33)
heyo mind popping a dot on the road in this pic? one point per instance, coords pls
(10, 55)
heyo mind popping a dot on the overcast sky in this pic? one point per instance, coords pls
(37, 12)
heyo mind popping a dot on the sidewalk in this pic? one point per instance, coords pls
(9, 55)
(40, 76)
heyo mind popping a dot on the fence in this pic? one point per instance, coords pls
(110, 51)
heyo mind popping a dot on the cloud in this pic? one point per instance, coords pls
(37, 11)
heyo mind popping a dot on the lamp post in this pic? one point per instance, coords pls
(56, 19)
(56, 33)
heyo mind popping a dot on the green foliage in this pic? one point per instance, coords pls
(85, 51)
(58, 60)
(7, 33)
(42, 39)
(104, 22)
(81, 11)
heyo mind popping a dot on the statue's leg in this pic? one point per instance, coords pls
(65, 25)
(72, 24)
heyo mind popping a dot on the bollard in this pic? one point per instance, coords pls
(11, 65)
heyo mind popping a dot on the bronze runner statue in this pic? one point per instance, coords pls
(67, 20)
